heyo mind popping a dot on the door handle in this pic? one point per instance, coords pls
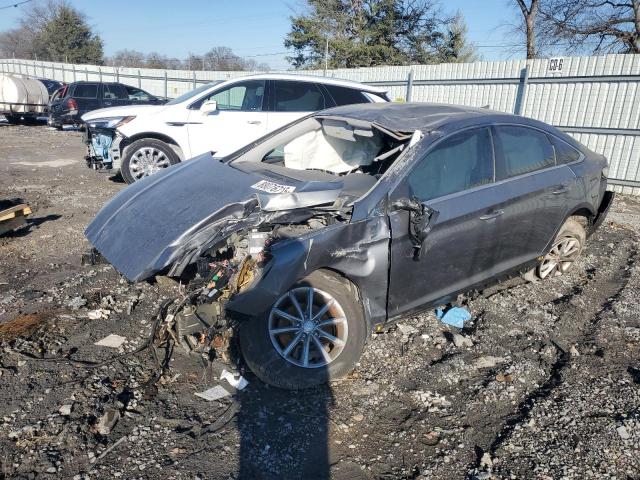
(489, 216)
(254, 122)
(558, 189)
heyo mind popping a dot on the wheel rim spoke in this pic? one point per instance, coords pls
(331, 338)
(323, 310)
(320, 347)
(305, 351)
(332, 321)
(296, 305)
(293, 344)
(279, 331)
(286, 316)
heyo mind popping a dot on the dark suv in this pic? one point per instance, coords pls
(72, 101)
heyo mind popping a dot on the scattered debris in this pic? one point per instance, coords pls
(23, 325)
(504, 378)
(238, 383)
(98, 314)
(461, 341)
(107, 421)
(431, 438)
(454, 316)
(215, 393)
(112, 341)
(13, 214)
(488, 361)
(407, 330)
(65, 410)
(76, 302)
(622, 431)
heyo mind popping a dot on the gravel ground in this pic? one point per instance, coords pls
(544, 382)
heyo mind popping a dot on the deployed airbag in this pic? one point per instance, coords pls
(337, 151)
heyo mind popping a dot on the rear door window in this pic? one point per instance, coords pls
(86, 90)
(346, 96)
(460, 162)
(137, 94)
(298, 97)
(524, 150)
(565, 153)
(114, 91)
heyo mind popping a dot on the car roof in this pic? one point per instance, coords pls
(408, 117)
(314, 78)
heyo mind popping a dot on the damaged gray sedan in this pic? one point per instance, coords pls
(305, 241)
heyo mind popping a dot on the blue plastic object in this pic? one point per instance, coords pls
(455, 316)
(101, 145)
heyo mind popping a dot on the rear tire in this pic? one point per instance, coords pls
(564, 251)
(145, 157)
(265, 349)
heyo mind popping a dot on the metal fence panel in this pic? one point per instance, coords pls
(595, 99)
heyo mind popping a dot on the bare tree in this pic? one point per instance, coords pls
(595, 25)
(529, 14)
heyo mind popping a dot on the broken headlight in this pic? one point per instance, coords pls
(110, 122)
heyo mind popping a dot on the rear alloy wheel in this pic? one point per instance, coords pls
(565, 250)
(145, 157)
(313, 333)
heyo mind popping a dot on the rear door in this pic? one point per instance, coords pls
(239, 118)
(114, 95)
(456, 180)
(87, 96)
(291, 100)
(537, 193)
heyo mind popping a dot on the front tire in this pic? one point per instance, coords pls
(145, 157)
(298, 346)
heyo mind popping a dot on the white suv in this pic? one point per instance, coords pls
(219, 117)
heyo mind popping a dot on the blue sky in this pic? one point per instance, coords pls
(254, 28)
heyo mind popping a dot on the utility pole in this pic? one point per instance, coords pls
(326, 55)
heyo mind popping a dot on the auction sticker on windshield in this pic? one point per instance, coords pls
(271, 187)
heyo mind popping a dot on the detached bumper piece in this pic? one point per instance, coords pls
(603, 210)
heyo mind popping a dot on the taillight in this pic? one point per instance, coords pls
(72, 104)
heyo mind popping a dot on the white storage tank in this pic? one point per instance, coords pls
(22, 94)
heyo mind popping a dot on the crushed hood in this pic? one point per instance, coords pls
(167, 216)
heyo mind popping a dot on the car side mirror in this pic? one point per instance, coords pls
(208, 107)
(421, 220)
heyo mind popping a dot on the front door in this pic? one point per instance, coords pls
(238, 119)
(456, 180)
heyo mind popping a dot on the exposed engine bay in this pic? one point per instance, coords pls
(199, 321)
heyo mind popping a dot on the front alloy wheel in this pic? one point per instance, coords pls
(146, 157)
(146, 161)
(308, 327)
(313, 333)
